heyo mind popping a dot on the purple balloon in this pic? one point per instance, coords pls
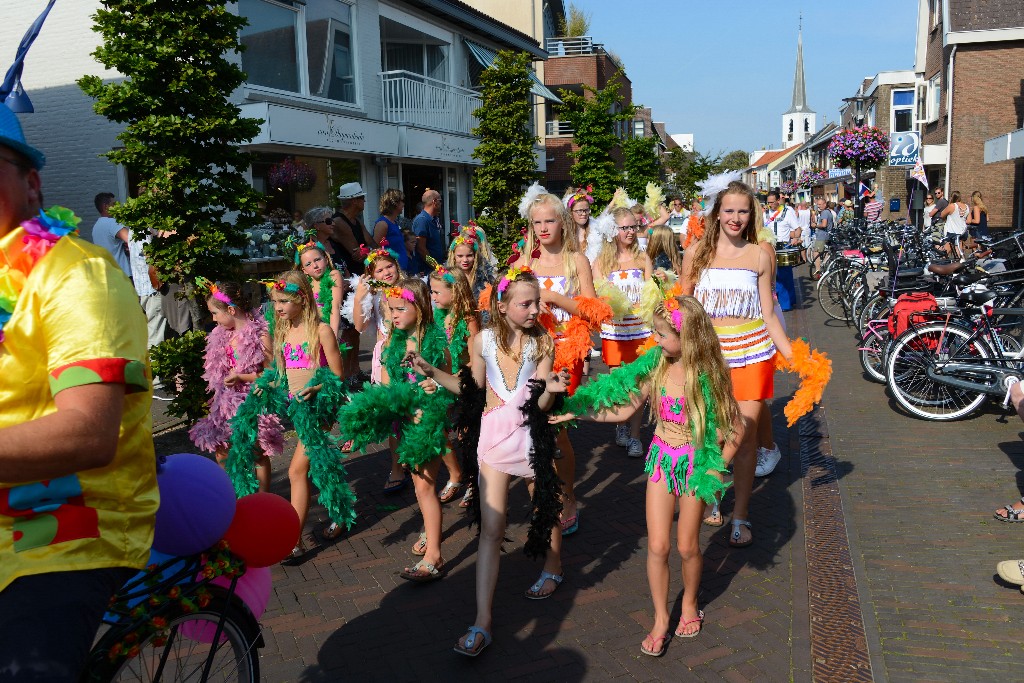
(197, 504)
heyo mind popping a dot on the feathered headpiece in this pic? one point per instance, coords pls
(714, 185)
(441, 271)
(400, 293)
(311, 244)
(214, 290)
(531, 195)
(621, 200)
(669, 293)
(655, 199)
(282, 286)
(602, 229)
(511, 276)
(371, 255)
(585, 194)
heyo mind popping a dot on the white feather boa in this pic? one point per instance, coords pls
(348, 306)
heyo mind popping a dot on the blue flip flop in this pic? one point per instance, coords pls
(467, 649)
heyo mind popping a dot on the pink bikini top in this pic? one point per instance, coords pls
(672, 409)
(232, 358)
(296, 357)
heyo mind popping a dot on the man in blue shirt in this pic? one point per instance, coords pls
(427, 228)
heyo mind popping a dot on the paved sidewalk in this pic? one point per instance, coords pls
(919, 498)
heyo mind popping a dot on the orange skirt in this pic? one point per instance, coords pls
(754, 382)
(615, 353)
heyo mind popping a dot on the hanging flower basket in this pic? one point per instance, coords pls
(293, 174)
(868, 146)
(787, 187)
(809, 177)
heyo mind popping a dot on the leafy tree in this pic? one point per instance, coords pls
(181, 133)
(737, 160)
(506, 152)
(692, 167)
(594, 120)
(642, 165)
(576, 25)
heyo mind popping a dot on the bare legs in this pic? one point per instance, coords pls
(493, 512)
(298, 478)
(351, 360)
(741, 449)
(565, 468)
(425, 484)
(764, 427)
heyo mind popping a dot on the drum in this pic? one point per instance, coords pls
(787, 257)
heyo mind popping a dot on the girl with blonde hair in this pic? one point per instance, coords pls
(690, 391)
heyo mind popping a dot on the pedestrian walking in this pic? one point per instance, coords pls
(977, 221)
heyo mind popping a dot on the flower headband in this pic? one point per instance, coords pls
(511, 276)
(440, 270)
(371, 255)
(214, 290)
(311, 244)
(282, 286)
(671, 303)
(587, 194)
(400, 293)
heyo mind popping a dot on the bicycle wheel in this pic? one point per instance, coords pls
(830, 296)
(876, 308)
(179, 653)
(916, 350)
(872, 355)
(857, 301)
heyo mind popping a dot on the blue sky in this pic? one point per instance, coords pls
(723, 69)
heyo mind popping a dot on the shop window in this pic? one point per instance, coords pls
(902, 111)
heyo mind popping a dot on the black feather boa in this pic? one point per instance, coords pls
(466, 416)
(547, 487)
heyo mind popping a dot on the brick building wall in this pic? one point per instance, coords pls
(987, 102)
(934, 133)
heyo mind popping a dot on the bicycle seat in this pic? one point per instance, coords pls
(968, 278)
(976, 298)
(944, 269)
(909, 273)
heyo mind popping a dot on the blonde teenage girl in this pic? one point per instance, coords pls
(622, 268)
(732, 278)
(572, 310)
(470, 253)
(511, 365)
(690, 393)
(663, 250)
(237, 351)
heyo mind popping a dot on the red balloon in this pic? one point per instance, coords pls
(264, 530)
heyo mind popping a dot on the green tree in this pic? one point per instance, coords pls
(595, 116)
(641, 165)
(576, 25)
(736, 160)
(181, 133)
(691, 167)
(506, 149)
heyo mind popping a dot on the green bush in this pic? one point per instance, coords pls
(178, 362)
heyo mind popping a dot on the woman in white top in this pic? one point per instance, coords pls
(956, 224)
(929, 211)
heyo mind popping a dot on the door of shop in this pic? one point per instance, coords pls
(415, 181)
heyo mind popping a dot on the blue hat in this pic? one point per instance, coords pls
(11, 136)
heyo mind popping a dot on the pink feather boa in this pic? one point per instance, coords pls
(214, 431)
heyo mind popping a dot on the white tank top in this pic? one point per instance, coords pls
(527, 365)
(729, 293)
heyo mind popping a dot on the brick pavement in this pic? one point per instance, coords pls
(918, 499)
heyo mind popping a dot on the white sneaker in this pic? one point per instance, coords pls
(767, 460)
(595, 353)
(622, 435)
(635, 448)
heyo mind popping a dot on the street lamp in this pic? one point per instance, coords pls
(859, 104)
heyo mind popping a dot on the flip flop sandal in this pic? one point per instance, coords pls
(332, 531)
(715, 518)
(423, 572)
(467, 499)
(683, 623)
(658, 641)
(734, 537)
(1011, 515)
(396, 485)
(450, 491)
(467, 648)
(534, 592)
(571, 525)
(419, 548)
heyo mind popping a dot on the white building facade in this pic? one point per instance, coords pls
(381, 93)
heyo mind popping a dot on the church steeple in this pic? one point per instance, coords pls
(799, 123)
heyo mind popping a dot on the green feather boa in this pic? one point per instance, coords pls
(615, 388)
(370, 415)
(326, 296)
(311, 419)
(460, 336)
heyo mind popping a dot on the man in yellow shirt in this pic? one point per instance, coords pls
(78, 489)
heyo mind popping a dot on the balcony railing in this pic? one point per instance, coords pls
(558, 129)
(564, 46)
(428, 103)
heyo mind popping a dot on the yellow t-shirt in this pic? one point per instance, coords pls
(76, 322)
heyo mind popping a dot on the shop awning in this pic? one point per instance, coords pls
(486, 59)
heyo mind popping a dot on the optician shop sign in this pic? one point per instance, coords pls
(904, 148)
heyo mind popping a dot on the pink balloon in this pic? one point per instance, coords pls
(253, 589)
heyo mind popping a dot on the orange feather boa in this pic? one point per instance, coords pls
(814, 369)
